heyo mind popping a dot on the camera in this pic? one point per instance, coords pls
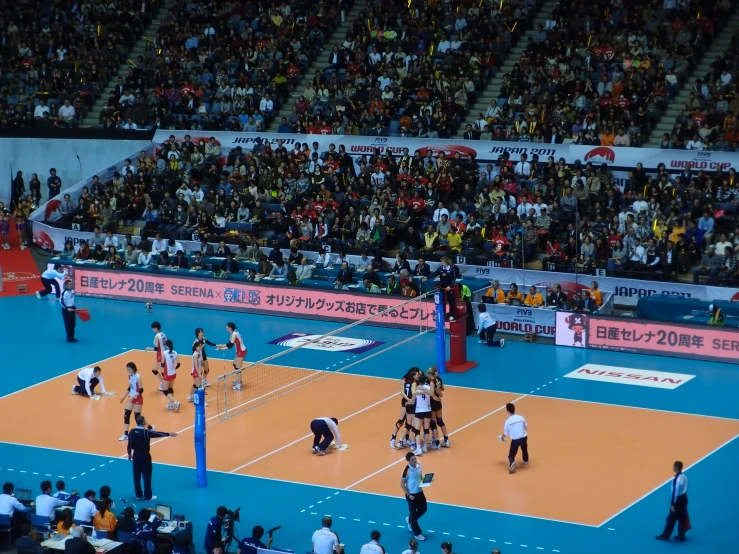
(228, 530)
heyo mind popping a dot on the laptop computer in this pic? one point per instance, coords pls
(23, 496)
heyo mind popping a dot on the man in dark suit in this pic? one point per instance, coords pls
(229, 265)
(27, 544)
(422, 269)
(78, 544)
(345, 275)
(558, 298)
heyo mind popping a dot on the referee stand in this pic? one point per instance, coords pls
(457, 362)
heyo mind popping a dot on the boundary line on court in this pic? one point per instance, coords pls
(655, 489)
(311, 434)
(290, 482)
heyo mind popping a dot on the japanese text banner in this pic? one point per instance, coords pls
(698, 342)
(241, 296)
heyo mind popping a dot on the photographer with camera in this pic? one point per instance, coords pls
(250, 545)
(214, 532)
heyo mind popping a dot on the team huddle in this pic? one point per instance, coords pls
(421, 413)
(165, 366)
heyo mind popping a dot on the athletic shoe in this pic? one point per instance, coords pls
(176, 406)
(150, 499)
(169, 407)
(315, 450)
(420, 538)
(189, 398)
(38, 295)
(392, 443)
(502, 343)
(425, 448)
(206, 404)
(408, 521)
(482, 342)
(446, 443)
(417, 452)
(525, 463)
(237, 386)
(74, 389)
(124, 437)
(512, 468)
(435, 446)
(206, 383)
(139, 498)
(320, 452)
(662, 538)
(72, 340)
(401, 444)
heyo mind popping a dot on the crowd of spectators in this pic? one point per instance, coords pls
(409, 69)
(225, 66)
(513, 213)
(603, 77)
(57, 58)
(707, 120)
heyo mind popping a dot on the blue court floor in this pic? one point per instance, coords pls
(35, 350)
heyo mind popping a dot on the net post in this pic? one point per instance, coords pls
(201, 475)
(440, 331)
(225, 397)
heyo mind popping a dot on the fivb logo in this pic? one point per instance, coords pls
(628, 376)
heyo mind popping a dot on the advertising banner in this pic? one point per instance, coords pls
(520, 320)
(483, 151)
(238, 296)
(642, 337)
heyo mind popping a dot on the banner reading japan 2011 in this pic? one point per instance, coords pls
(483, 151)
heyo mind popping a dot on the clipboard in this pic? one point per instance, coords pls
(427, 480)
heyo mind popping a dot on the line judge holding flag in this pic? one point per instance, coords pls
(68, 310)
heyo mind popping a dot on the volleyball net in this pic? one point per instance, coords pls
(311, 357)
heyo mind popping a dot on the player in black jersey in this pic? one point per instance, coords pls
(200, 337)
(407, 405)
(437, 419)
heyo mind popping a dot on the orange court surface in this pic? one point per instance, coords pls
(601, 453)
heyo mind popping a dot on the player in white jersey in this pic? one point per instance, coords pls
(159, 341)
(197, 368)
(422, 391)
(170, 365)
(235, 340)
(134, 396)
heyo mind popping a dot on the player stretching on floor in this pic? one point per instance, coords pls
(159, 340)
(169, 374)
(406, 402)
(437, 419)
(197, 368)
(422, 390)
(200, 336)
(135, 396)
(235, 340)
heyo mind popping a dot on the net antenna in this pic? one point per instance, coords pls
(332, 352)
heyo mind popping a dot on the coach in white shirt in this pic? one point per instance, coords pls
(325, 541)
(46, 504)
(410, 482)
(8, 503)
(85, 509)
(373, 547)
(516, 428)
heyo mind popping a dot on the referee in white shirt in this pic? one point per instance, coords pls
(410, 482)
(678, 506)
(325, 430)
(68, 309)
(515, 427)
(325, 541)
(87, 379)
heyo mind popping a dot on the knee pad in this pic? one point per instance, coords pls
(433, 425)
(408, 427)
(155, 371)
(170, 390)
(416, 432)
(194, 386)
(440, 422)
(126, 416)
(165, 392)
(399, 424)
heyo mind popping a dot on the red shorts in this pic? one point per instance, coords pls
(169, 378)
(195, 374)
(138, 400)
(241, 353)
